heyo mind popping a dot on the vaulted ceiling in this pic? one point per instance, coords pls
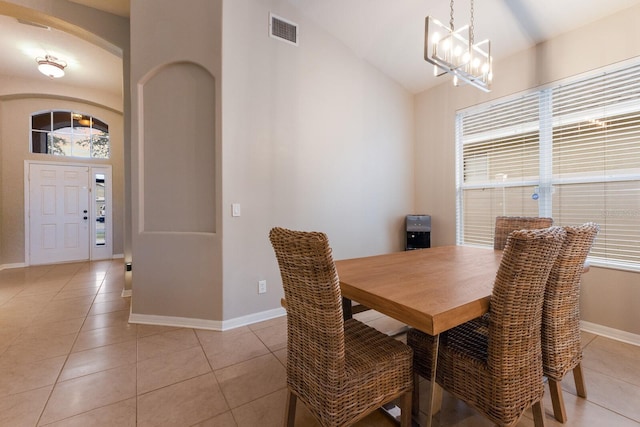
(389, 34)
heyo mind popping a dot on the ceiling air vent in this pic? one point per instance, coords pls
(33, 24)
(281, 29)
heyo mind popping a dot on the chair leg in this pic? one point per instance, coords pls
(538, 414)
(290, 410)
(415, 406)
(581, 388)
(405, 408)
(557, 400)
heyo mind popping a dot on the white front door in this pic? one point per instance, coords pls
(58, 213)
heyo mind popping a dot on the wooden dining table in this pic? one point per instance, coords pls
(432, 290)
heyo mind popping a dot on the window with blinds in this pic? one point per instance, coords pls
(571, 152)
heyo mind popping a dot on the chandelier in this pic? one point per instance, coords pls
(51, 66)
(454, 51)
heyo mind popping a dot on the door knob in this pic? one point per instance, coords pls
(84, 211)
(85, 217)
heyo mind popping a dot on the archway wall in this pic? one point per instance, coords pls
(14, 151)
(106, 31)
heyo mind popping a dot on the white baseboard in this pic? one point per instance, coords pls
(22, 264)
(179, 322)
(253, 318)
(214, 325)
(608, 332)
(14, 265)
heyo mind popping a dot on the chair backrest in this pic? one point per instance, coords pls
(514, 353)
(561, 343)
(315, 327)
(506, 224)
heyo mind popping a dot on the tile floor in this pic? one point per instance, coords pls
(68, 357)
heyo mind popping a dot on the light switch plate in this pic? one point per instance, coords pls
(262, 286)
(235, 209)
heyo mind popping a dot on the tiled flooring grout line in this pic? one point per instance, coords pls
(77, 334)
(213, 372)
(55, 382)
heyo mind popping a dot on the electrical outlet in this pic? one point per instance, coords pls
(262, 286)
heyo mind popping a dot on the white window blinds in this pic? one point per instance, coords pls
(571, 152)
(498, 165)
(596, 160)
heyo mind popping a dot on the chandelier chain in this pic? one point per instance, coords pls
(471, 26)
(451, 17)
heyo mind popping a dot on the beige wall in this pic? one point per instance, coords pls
(610, 302)
(314, 139)
(2, 214)
(175, 75)
(14, 130)
(106, 31)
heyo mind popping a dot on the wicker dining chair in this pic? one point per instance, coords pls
(341, 370)
(494, 362)
(506, 224)
(561, 343)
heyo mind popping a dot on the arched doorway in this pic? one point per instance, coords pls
(94, 81)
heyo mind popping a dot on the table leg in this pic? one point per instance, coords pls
(347, 311)
(435, 391)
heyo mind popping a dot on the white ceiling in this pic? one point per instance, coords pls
(389, 34)
(88, 65)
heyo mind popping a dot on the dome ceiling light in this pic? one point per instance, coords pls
(51, 66)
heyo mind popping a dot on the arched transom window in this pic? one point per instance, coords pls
(69, 133)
